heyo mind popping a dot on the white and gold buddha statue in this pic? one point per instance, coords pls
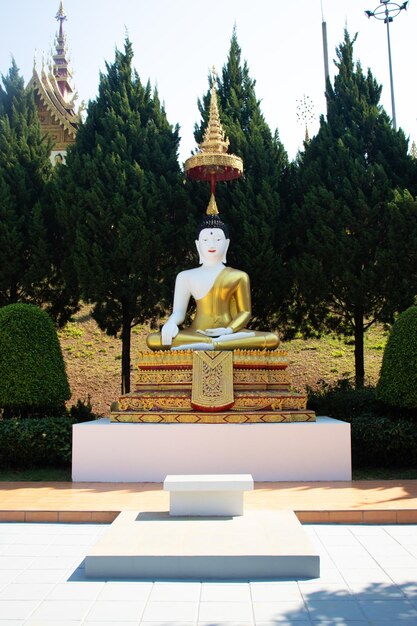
(223, 302)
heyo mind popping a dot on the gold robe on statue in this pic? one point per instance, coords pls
(226, 305)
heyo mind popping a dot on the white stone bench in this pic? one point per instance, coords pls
(207, 494)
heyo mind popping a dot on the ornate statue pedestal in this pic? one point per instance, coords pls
(218, 387)
(162, 428)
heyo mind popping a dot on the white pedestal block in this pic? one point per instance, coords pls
(257, 545)
(301, 451)
(207, 494)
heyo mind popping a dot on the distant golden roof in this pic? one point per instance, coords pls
(53, 85)
(47, 89)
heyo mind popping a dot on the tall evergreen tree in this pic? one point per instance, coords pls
(251, 205)
(29, 266)
(352, 269)
(122, 184)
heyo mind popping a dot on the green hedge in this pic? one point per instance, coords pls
(343, 401)
(381, 436)
(379, 441)
(38, 442)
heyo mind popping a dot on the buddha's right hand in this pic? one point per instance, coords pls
(217, 332)
(168, 332)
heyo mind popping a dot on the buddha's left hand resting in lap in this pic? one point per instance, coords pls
(223, 305)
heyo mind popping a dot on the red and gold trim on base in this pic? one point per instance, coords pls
(233, 417)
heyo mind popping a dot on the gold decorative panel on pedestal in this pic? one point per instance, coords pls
(213, 387)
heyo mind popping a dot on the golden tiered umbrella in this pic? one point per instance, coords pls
(212, 162)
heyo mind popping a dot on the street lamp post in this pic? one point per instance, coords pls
(387, 11)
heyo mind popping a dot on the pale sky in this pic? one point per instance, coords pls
(176, 42)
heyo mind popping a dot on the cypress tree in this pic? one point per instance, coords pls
(351, 270)
(251, 205)
(30, 271)
(122, 184)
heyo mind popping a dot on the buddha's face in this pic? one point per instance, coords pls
(212, 246)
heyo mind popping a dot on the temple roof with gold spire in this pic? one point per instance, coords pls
(54, 93)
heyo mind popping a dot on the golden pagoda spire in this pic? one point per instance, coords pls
(212, 162)
(214, 140)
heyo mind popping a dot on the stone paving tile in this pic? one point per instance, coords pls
(76, 591)
(164, 623)
(231, 592)
(225, 611)
(15, 562)
(175, 592)
(39, 576)
(327, 576)
(24, 550)
(375, 591)
(17, 609)
(32, 539)
(123, 591)
(388, 609)
(222, 623)
(321, 591)
(402, 575)
(26, 591)
(371, 575)
(46, 622)
(330, 609)
(59, 610)
(393, 561)
(170, 612)
(350, 596)
(294, 610)
(342, 622)
(6, 577)
(401, 622)
(122, 611)
(275, 591)
(112, 623)
(51, 562)
(284, 623)
(338, 540)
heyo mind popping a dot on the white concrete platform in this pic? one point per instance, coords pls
(257, 545)
(307, 451)
(207, 494)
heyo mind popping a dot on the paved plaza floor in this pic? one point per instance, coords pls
(368, 577)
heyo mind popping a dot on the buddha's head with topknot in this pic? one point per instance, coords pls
(212, 240)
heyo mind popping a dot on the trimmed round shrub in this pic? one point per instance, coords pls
(33, 379)
(397, 384)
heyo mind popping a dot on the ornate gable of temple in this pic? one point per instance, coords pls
(55, 97)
